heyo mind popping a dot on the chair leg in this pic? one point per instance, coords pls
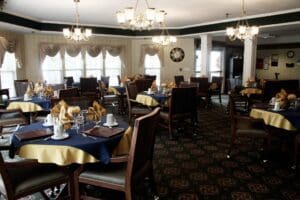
(231, 146)
(128, 194)
(220, 98)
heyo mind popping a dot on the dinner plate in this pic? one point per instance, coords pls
(47, 124)
(114, 124)
(62, 137)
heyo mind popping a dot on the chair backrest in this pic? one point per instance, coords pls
(238, 104)
(183, 101)
(178, 79)
(143, 84)
(218, 80)
(21, 86)
(203, 84)
(187, 85)
(69, 80)
(8, 187)
(105, 80)
(131, 90)
(152, 77)
(119, 79)
(142, 147)
(89, 86)
(70, 92)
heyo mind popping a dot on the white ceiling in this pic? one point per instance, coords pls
(180, 13)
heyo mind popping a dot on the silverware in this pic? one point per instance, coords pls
(47, 138)
(85, 135)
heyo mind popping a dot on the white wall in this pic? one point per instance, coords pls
(285, 72)
(31, 46)
(169, 68)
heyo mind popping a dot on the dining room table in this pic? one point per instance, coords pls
(152, 99)
(77, 147)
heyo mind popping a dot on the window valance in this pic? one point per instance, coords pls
(9, 45)
(151, 50)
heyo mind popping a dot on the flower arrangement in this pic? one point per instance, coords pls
(284, 98)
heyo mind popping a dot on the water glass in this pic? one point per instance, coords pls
(79, 123)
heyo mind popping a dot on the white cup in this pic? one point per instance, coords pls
(149, 90)
(273, 100)
(58, 130)
(277, 105)
(55, 93)
(110, 119)
(49, 119)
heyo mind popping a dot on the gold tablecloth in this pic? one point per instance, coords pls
(66, 155)
(249, 91)
(272, 119)
(146, 100)
(24, 106)
(113, 90)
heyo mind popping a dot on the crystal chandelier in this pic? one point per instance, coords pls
(164, 38)
(77, 33)
(133, 18)
(242, 29)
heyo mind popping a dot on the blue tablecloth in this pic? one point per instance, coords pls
(159, 97)
(292, 115)
(100, 148)
(120, 89)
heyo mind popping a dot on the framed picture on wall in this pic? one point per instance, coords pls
(274, 60)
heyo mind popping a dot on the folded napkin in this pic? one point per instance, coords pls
(104, 131)
(171, 85)
(65, 113)
(154, 86)
(38, 87)
(124, 144)
(96, 112)
(48, 91)
(33, 134)
(29, 92)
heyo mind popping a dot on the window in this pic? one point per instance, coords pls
(198, 63)
(74, 66)
(8, 72)
(112, 68)
(94, 65)
(152, 66)
(52, 69)
(216, 63)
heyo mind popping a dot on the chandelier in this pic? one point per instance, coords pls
(164, 38)
(133, 18)
(77, 33)
(242, 29)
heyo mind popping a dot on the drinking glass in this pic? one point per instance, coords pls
(79, 123)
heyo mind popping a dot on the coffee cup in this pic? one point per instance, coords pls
(277, 105)
(273, 100)
(49, 119)
(110, 119)
(149, 90)
(58, 130)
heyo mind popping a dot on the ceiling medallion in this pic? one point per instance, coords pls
(77, 33)
(242, 30)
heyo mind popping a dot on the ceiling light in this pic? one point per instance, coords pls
(77, 33)
(133, 18)
(242, 29)
(164, 38)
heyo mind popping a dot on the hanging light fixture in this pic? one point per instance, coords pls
(242, 29)
(75, 32)
(164, 38)
(133, 18)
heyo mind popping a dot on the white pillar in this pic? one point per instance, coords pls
(250, 47)
(206, 46)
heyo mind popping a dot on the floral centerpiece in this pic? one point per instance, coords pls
(285, 99)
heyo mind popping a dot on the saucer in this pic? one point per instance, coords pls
(62, 137)
(28, 99)
(277, 110)
(114, 124)
(149, 92)
(47, 124)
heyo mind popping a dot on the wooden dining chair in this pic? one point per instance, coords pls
(69, 92)
(296, 149)
(242, 125)
(89, 87)
(12, 118)
(21, 86)
(178, 79)
(69, 80)
(135, 109)
(215, 87)
(24, 177)
(143, 84)
(134, 167)
(203, 88)
(182, 106)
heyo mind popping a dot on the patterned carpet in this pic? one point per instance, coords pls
(194, 166)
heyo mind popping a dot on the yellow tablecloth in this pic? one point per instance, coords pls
(249, 91)
(146, 100)
(113, 90)
(272, 119)
(66, 155)
(24, 106)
